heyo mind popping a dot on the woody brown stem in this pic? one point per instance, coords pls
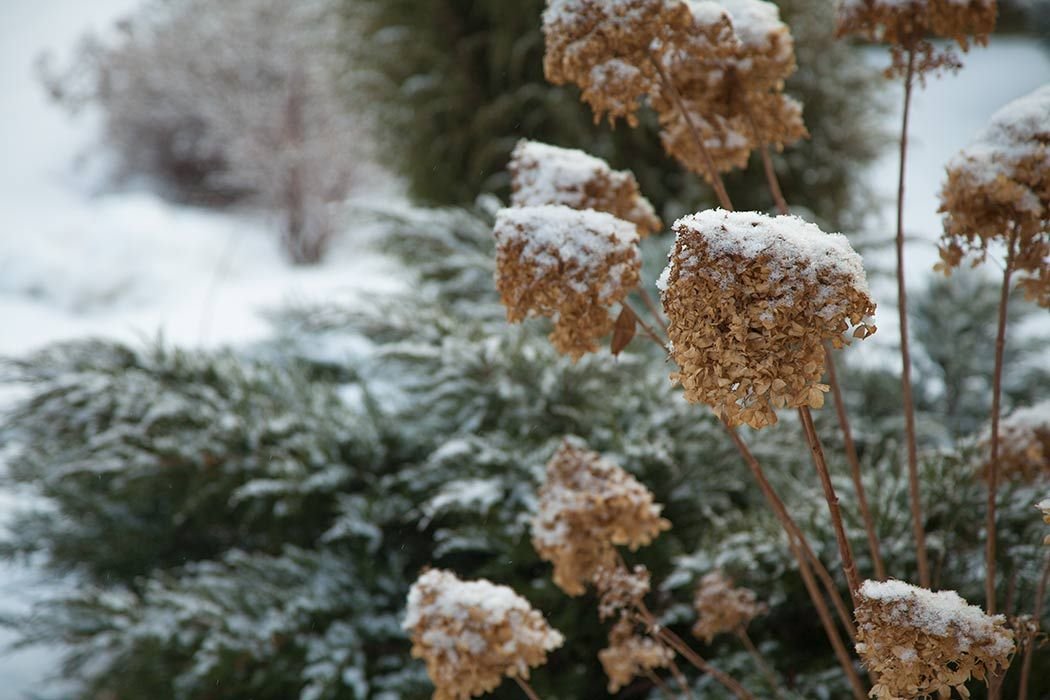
(854, 463)
(902, 309)
(993, 464)
(680, 679)
(524, 684)
(647, 329)
(1037, 617)
(675, 642)
(760, 661)
(845, 551)
(658, 682)
(705, 155)
(793, 530)
(653, 308)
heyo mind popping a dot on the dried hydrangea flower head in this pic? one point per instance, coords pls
(1024, 444)
(621, 591)
(604, 47)
(723, 608)
(732, 89)
(630, 655)
(543, 174)
(908, 24)
(473, 633)
(587, 506)
(998, 189)
(569, 265)
(920, 643)
(750, 300)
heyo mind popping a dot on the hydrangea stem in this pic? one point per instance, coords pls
(760, 661)
(1037, 616)
(526, 688)
(993, 463)
(902, 308)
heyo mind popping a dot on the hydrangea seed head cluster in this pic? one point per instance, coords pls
(722, 608)
(750, 301)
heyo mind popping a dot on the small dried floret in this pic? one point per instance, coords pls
(920, 643)
(473, 633)
(604, 47)
(750, 300)
(567, 264)
(543, 174)
(1024, 444)
(630, 655)
(722, 608)
(587, 506)
(1043, 507)
(998, 189)
(907, 25)
(620, 591)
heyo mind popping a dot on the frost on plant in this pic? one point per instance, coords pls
(587, 507)
(473, 633)
(998, 190)
(630, 655)
(723, 608)
(921, 643)
(750, 300)
(569, 265)
(544, 174)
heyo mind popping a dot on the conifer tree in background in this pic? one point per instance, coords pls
(458, 82)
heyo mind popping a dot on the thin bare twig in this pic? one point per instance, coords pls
(760, 661)
(902, 308)
(648, 329)
(647, 299)
(1037, 617)
(524, 684)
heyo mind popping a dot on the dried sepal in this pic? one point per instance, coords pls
(544, 174)
(919, 643)
(620, 591)
(723, 608)
(631, 654)
(569, 265)
(1024, 444)
(750, 300)
(998, 191)
(472, 634)
(623, 331)
(587, 507)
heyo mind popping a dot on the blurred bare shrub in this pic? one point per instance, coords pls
(218, 101)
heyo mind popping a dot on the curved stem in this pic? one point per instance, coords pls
(902, 308)
(647, 328)
(524, 684)
(709, 164)
(993, 464)
(1037, 617)
(760, 661)
(653, 308)
(845, 551)
(854, 463)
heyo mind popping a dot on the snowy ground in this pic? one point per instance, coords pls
(75, 262)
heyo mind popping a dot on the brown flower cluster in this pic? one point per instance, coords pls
(750, 300)
(722, 608)
(608, 48)
(920, 643)
(630, 655)
(569, 265)
(587, 507)
(473, 633)
(543, 174)
(723, 62)
(1024, 444)
(732, 88)
(998, 190)
(907, 26)
(620, 591)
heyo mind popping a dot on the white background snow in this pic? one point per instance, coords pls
(75, 261)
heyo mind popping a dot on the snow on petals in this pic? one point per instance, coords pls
(473, 633)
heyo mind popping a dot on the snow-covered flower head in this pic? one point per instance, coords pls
(920, 643)
(621, 590)
(908, 25)
(998, 189)
(1024, 443)
(587, 506)
(606, 47)
(630, 655)
(569, 265)
(750, 300)
(722, 607)
(544, 174)
(472, 634)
